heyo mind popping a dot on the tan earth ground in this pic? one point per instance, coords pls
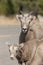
(4, 21)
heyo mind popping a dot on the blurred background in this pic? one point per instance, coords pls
(12, 7)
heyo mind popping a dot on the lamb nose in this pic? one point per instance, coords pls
(11, 58)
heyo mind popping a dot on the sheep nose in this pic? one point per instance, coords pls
(24, 29)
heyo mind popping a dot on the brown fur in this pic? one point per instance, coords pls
(36, 27)
(29, 50)
(36, 31)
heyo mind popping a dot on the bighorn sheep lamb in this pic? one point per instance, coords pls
(30, 52)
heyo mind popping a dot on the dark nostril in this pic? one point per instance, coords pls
(11, 58)
(24, 28)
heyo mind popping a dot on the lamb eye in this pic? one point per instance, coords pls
(9, 50)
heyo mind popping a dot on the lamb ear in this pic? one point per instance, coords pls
(21, 45)
(7, 43)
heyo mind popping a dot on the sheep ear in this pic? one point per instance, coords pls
(22, 13)
(18, 17)
(21, 45)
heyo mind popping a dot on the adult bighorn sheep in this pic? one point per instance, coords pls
(29, 23)
(30, 52)
(26, 34)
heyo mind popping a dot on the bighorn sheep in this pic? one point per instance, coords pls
(30, 52)
(29, 22)
(13, 50)
(26, 34)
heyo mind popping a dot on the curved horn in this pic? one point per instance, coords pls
(30, 13)
(22, 13)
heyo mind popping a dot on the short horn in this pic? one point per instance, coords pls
(21, 13)
(30, 13)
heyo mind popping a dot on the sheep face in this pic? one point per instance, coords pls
(13, 51)
(25, 20)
